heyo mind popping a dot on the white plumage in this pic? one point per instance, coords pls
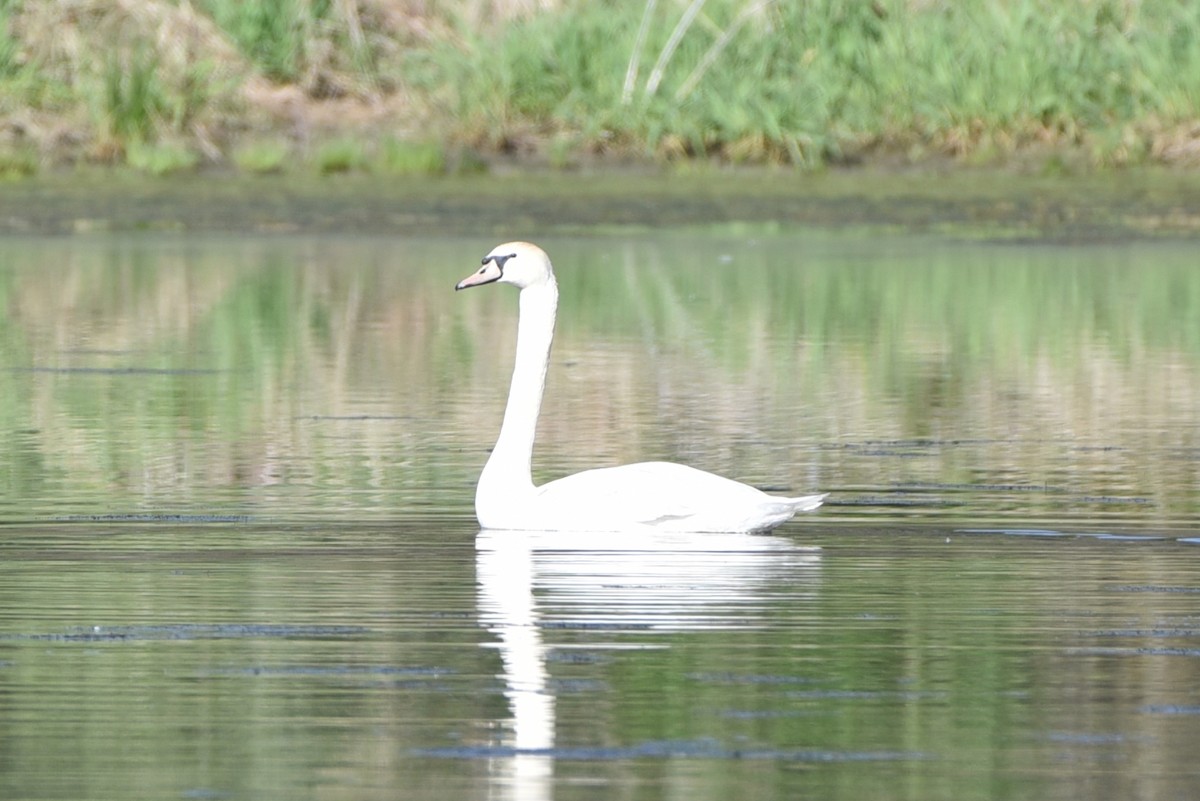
(659, 495)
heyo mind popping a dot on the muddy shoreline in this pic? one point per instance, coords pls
(1085, 208)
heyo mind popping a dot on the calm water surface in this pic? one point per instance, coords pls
(238, 557)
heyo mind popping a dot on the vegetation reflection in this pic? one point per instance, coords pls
(326, 376)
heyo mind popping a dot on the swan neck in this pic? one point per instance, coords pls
(513, 455)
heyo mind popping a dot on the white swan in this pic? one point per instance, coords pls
(660, 495)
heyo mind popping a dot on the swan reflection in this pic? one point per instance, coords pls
(529, 582)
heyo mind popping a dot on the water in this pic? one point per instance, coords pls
(238, 558)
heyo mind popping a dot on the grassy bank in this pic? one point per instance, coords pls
(399, 87)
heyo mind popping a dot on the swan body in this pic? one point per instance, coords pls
(659, 496)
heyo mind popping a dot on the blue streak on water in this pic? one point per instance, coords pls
(1170, 709)
(660, 749)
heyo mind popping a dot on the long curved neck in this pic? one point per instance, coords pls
(509, 467)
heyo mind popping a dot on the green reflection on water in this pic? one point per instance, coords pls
(315, 386)
(334, 376)
(253, 660)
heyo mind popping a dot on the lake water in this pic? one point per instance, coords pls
(238, 557)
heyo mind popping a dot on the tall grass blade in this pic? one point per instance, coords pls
(664, 58)
(636, 56)
(689, 84)
(354, 27)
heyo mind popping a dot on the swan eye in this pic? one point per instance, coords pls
(498, 259)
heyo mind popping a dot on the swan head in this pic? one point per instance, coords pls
(518, 263)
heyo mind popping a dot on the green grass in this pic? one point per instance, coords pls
(822, 80)
(401, 157)
(18, 162)
(132, 99)
(277, 35)
(160, 158)
(343, 154)
(262, 156)
(21, 84)
(1105, 82)
(9, 46)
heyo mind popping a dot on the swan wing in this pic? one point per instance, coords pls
(664, 495)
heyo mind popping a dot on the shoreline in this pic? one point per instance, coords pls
(987, 203)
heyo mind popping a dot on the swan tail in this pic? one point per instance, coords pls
(808, 502)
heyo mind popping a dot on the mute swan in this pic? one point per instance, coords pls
(659, 495)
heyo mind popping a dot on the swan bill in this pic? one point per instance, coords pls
(489, 273)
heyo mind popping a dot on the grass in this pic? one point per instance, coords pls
(19, 162)
(277, 35)
(402, 157)
(1101, 82)
(825, 81)
(160, 158)
(9, 46)
(343, 154)
(132, 99)
(262, 156)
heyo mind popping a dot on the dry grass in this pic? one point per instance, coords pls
(85, 79)
(194, 76)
